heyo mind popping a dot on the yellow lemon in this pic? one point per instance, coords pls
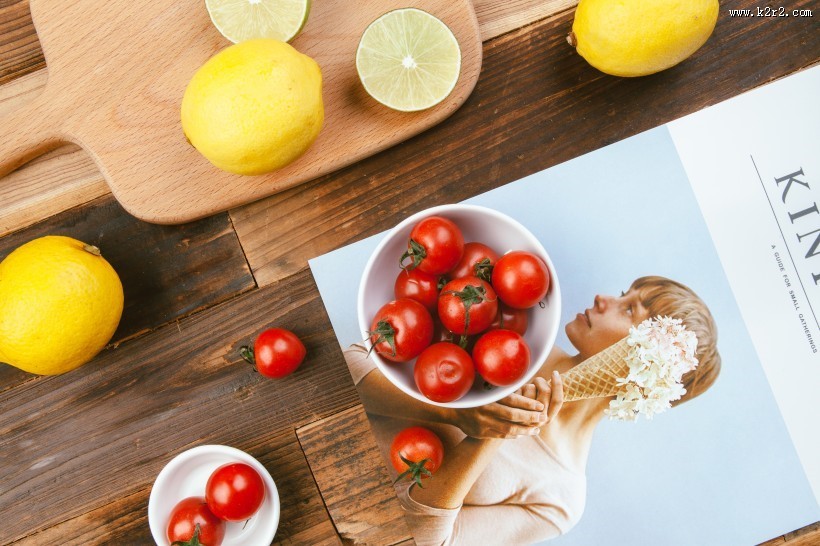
(60, 303)
(636, 38)
(254, 107)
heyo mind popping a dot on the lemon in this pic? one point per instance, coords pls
(408, 60)
(240, 20)
(60, 303)
(254, 107)
(636, 38)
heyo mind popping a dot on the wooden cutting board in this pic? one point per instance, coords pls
(117, 70)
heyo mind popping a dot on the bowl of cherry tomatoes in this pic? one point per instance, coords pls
(460, 305)
(220, 493)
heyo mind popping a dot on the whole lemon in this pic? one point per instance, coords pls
(254, 107)
(60, 303)
(636, 38)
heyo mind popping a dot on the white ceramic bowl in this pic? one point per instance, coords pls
(186, 475)
(478, 224)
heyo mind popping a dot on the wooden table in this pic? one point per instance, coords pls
(79, 452)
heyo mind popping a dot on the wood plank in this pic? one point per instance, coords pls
(167, 272)
(348, 468)
(55, 183)
(537, 104)
(496, 18)
(73, 443)
(304, 519)
(807, 536)
(20, 51)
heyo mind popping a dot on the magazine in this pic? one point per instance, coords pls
(723, 201)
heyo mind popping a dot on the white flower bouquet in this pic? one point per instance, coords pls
(643, 371)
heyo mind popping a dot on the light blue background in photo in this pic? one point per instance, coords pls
(720, 470)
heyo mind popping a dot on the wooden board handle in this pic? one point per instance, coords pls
(26, 133)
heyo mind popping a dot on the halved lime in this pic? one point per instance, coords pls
(408, 60)
(240, 20)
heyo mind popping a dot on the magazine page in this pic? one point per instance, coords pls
(720, 468)
(758, 189)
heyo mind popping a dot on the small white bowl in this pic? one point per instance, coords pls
(186, 475)
(478, 224)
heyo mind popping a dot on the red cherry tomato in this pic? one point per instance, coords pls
(401, 330)
(421, 448)
(501, 357)
(276, 353)
(467, 305)
(191, 513)
(521, 279)
(444, 372)
(418, 285)
(235, 492)
(435, 247)
(508, 318)
(477, 261)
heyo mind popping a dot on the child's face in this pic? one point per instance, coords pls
(605, 323)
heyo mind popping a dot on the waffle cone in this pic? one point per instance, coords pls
(597, 376)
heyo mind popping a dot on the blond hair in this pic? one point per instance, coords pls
(664, 297)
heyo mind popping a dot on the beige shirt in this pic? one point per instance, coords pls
(527, 494)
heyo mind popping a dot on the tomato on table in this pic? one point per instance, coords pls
(418, 285)
(235, 491)
(435, 247)
(521, 279)
(501, 357)
(416, 452)
(401, 330)
(276, 353)
(192, 523)
(467, 305)
(508, 318)
(444, 372)
(477, 261)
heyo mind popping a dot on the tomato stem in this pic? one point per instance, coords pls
(247, 353)
(384, 332)
(416, 252)
(414, 470)
(484, 270)
(468, 296)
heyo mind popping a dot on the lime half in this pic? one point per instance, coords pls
(408, 60)
(240, 20)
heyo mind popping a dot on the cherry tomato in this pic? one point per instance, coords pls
(467, 305)
(418, 285)
(444, 372)
(501, 357)
(508, 318)
(477, 261)
(435, 247)
(401, 330)
(189, 514)
(521, 279)
(416, 452)
(276, 353)
(235, 492)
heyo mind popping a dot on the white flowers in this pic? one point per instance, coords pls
(661, 351)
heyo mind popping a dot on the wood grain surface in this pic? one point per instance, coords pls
(117, 73)
(78, 452)
(364, 510)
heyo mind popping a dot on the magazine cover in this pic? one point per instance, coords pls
(711, 219)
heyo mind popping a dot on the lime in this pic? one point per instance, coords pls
(408, 60)
(240, 20)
